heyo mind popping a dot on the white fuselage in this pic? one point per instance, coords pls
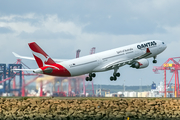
(101, 61)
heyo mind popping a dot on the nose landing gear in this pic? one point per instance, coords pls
(154, 61)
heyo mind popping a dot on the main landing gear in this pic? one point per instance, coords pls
(154, 61)
(91, 75)
(115, 75)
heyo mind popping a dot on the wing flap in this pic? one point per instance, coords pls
(117, 64)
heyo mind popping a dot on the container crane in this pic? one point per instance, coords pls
(172, 64)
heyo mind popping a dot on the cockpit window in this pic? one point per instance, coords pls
(162, 42)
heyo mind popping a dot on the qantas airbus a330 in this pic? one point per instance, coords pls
(134, 55)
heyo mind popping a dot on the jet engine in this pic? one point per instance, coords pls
(142, 63)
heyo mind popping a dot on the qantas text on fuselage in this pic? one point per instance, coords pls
(134, 55)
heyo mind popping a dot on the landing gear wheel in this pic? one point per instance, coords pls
(111, 78)
(154, 61)
(93, 75)
(117, 74)
(87, 78)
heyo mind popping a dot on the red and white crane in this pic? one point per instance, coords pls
(172, 64)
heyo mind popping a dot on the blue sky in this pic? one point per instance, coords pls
(62, 27)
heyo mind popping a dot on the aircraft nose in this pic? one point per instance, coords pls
(164, 45)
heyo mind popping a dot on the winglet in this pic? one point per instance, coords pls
(147, 50)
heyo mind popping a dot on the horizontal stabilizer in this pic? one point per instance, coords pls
(23, 70)
(24, 57)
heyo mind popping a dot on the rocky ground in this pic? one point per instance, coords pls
(89, 108)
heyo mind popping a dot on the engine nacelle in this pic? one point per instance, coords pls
(142, 63)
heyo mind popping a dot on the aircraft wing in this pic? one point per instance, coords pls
(32, 58)
(124, 62)
(147, 53)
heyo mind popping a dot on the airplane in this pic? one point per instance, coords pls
(134, 55)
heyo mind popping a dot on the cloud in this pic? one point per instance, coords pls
(4, 30)
(32, 26)
(123, 27)
(61, 28)
(115, 17)
(54, 24)
(40, 34)
(16, 17)
(19, 27)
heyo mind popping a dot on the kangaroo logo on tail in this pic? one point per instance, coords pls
(40, 56)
